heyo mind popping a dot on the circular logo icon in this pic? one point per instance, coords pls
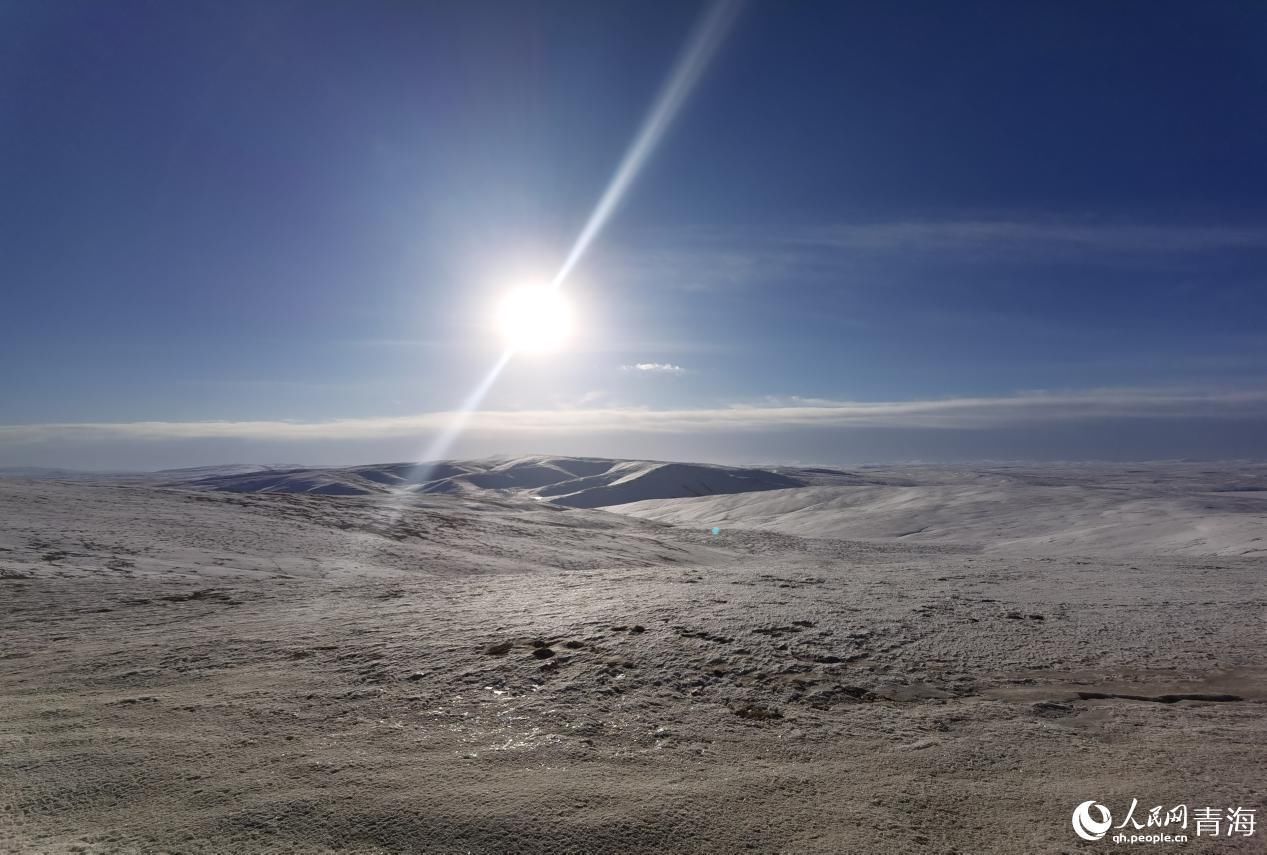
(1085, 826)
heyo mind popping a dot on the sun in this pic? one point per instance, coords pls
(535, 319)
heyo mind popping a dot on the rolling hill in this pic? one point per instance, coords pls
(578, 482)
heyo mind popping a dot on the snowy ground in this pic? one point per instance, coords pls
(1017, 518)
(228, 672)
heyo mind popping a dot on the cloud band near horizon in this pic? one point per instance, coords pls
(1035, 408)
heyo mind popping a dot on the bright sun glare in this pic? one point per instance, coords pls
(535, 319)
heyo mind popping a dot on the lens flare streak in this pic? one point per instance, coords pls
(686, 73)
(441, 444)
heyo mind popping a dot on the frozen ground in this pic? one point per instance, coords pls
(476, 671)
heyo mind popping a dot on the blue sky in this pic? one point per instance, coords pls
(874, 231)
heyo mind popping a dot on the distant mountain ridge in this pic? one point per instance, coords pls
(578, 482)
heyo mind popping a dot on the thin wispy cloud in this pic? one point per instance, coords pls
(1036, 409)
(713, 259)
(654, 368)
(952, 235)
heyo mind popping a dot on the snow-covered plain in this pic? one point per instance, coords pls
(476, 657)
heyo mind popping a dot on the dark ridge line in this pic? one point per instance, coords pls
(1159, 699)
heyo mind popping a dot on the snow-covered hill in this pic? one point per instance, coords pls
(1185, 508)
(579, 482)
(1010, 516)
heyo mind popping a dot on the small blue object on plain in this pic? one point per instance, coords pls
(716, 530)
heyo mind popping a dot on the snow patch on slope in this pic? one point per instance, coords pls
(1006, 517)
